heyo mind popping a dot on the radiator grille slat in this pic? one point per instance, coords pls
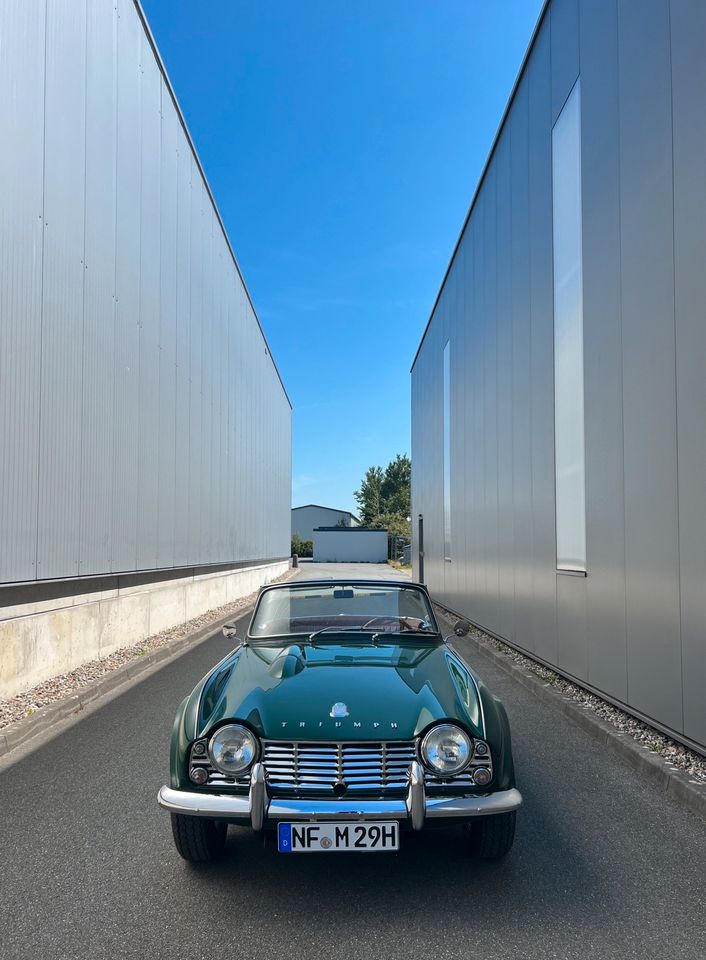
(319, 766)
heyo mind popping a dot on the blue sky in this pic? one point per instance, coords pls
(343, 143)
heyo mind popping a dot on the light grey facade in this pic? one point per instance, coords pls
(627, 616)
(143, 423)
(349, 545)
(306, 518)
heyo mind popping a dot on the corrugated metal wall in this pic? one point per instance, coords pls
(635, 626)
(142, 420)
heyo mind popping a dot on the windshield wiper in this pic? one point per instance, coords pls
(376, 636)
(341, 629)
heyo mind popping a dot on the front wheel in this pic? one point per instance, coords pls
(197, 839)
(492, 836)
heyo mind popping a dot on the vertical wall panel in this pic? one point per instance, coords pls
(183, 353)
(688, 43)
(195, 354)
(149, 317)
(480, 373)
(168, 226)
(490, 424)
(126, 344)
(229, 484)
(22, 40)
(506, 578)
(96, 485)
(649, 389)
(605, 521)
(542, 351)
(463, 387)
(469, 452)
(205, 428)
(62, 290)
(518, 132)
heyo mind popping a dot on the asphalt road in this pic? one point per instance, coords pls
(604, 865)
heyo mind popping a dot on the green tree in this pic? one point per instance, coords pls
(384, 496)
(397, 486)
(302, 548)
(369, 496)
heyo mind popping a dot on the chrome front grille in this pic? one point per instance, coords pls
(362, 767)
(308, 767)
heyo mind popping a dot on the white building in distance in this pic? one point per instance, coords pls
(311, 515)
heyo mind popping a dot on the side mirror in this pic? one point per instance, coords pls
(229, 630)
(462, 628)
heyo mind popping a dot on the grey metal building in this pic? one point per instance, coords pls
(306, 518)
(559, 391)
(143, 422)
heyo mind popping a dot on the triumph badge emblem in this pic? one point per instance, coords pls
(339, 710)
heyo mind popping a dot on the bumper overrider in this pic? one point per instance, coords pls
(259, 808)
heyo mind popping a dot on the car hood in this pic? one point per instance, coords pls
(342, 690)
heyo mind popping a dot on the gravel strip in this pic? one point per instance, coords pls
(50, 691)
(671, 751)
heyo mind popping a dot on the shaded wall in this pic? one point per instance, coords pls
(143, 423)
(635, 626)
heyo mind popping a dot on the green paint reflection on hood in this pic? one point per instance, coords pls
(390, 691)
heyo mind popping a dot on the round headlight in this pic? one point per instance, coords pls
(232, 749)
(447, 749)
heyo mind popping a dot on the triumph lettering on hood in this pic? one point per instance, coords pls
(357, 724)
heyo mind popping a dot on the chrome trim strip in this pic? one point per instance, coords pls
(416, 798)
(203, 804)
(258, 797)
(220, 806)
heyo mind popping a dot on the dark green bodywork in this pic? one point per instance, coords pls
(394, 690)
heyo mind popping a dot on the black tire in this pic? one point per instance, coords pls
(492, 837)
(197, 839)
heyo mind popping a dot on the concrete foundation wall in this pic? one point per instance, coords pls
(45, 638)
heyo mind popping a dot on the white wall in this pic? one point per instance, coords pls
(350, 546)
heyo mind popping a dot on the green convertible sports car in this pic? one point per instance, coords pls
(341, 719)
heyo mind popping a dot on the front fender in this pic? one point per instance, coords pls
(178, 751)
(498, 735)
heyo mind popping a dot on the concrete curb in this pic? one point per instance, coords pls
(646, 762)
(128, 674)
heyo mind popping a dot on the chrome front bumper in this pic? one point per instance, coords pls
(259, 807)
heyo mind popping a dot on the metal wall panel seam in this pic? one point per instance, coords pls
(41, 296)
(676, 370)
(81, 511)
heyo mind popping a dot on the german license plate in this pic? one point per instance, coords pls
(331, 837)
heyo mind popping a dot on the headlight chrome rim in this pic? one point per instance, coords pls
(435, 731)
(248, 738)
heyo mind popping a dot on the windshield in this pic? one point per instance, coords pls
(334, 607)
